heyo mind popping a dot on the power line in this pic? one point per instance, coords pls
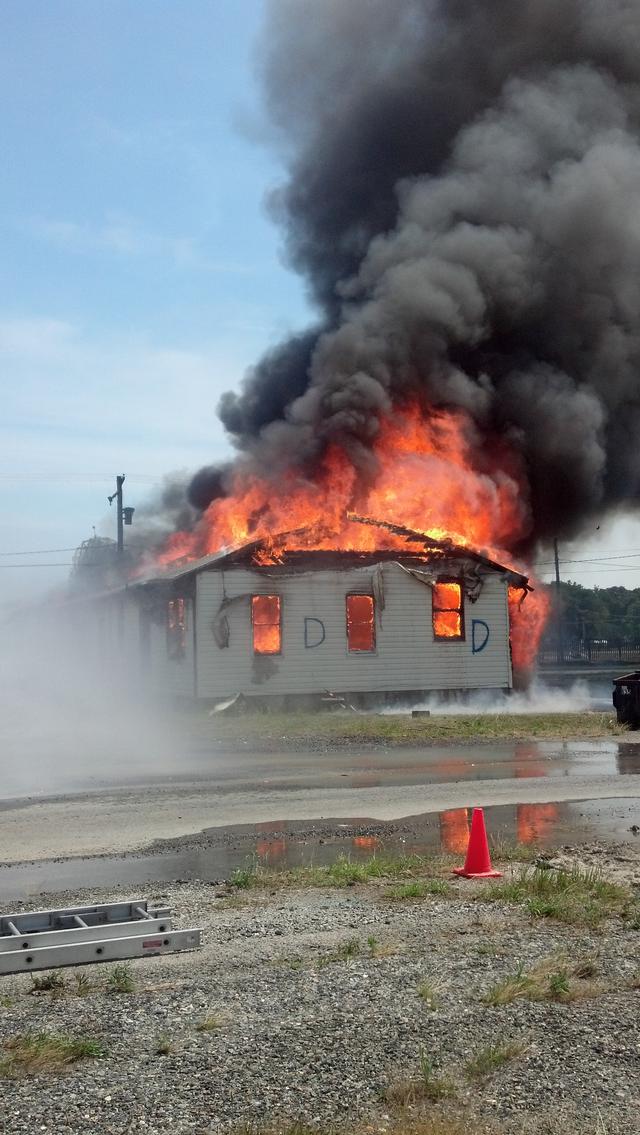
(56, 551)
(622, 567)
(84, 564)
(39, 552)
(592, 559)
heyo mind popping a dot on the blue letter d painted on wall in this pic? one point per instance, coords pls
(313, 635)
(478, 639)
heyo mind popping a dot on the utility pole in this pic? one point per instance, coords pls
(556, 557)
(125, 515)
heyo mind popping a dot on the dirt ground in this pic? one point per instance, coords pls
(375, 1004)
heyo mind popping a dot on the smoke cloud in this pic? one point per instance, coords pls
(461, 199)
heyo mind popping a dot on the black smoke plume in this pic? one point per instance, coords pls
(462, 197)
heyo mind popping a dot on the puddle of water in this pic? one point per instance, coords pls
(284, 844)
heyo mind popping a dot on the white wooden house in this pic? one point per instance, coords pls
(352, 623)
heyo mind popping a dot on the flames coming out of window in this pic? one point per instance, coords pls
(176, 629)
(266, 623)
(361, 627)
(447, 610)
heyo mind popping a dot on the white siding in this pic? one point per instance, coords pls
(406, 656)
(174, 676)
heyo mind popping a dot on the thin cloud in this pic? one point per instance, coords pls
(124, 237)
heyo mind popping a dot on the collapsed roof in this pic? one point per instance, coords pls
(271, 552)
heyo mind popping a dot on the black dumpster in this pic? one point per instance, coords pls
(626, 699)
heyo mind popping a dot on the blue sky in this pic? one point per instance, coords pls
(140, 273)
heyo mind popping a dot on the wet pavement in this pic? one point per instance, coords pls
(213, 855)
(185, 827)
(355, 767)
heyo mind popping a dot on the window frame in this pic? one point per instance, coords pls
(266, 653)
(374, 638)
(434, 610)
(176, 628)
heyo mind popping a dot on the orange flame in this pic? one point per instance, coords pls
(430, 473)
(447, 610)
(265, 615)
(528, 614)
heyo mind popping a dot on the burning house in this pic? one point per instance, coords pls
(459, 194)
(273, 619)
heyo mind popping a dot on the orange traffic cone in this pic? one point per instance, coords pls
(477, 865)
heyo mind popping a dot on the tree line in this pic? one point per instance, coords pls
(606, 614)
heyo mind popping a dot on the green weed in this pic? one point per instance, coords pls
(209, 1024)
(576, 897)
(47, 982)
(345, 952)
(418, 889)
(427, 1085)
(490, 1058)
(545, 982)
(429, 992)
(37, 1052)
(83, 985)
(121, 979)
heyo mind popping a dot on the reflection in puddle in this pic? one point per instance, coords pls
(286, 844)
(454, 830)
(536, 823)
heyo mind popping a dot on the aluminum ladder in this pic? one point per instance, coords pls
(80, 935)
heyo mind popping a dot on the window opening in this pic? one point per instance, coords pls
(176, 628)
(361, 627)
(266, 623)
(447, 610)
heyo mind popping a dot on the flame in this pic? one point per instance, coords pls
(265, 617)
(429, 472)
(447, 610)
(361, 633)
(528, 614)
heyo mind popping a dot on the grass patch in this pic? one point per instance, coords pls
(418, 889)
(121, 979)
(507, 852)
(83, 985)
(345, 952)
(209, 1024)
(487, 1060)
(244, 877)
(295, 730)
(429, 992)
(164, 1046)
(37, 1052)
(343, 872)
(47, 982)
(551, 980)
(428, 1084)
(576, 897)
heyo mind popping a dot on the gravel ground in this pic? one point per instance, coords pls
(304, 1032)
